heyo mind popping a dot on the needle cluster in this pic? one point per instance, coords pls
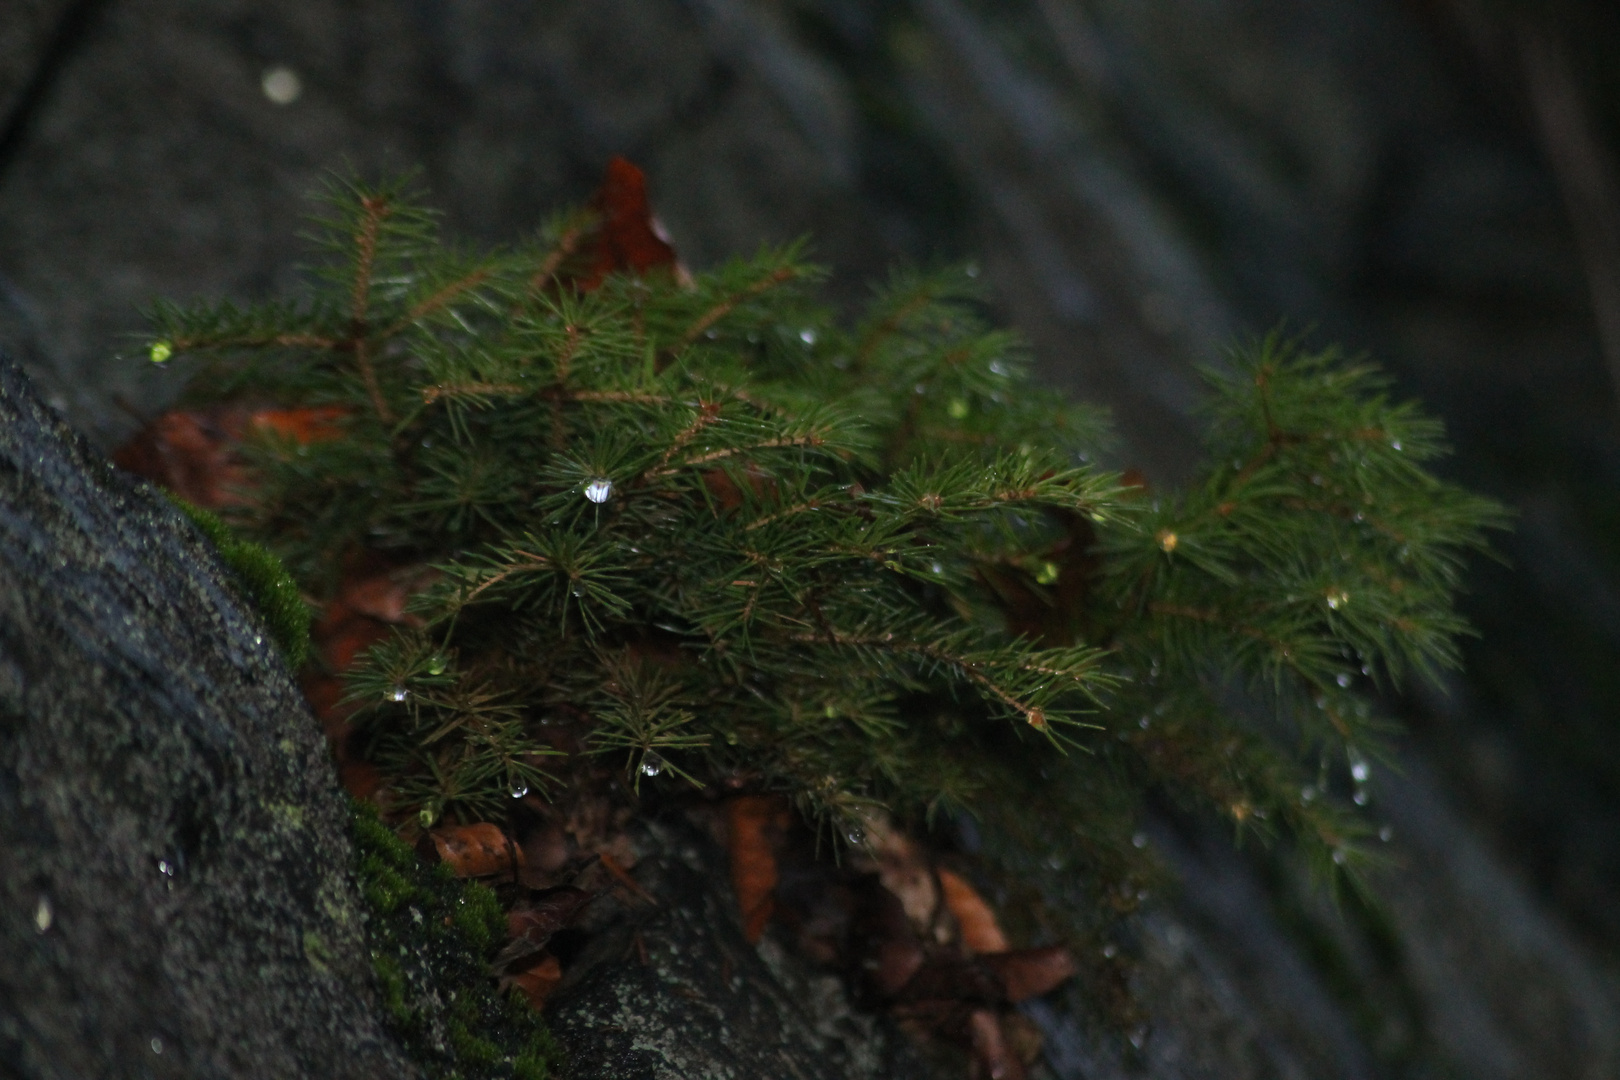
(705, 533)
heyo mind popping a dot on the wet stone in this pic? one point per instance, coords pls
(152, 913)
(675, 991)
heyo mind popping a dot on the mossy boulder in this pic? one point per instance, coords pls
(177, 896)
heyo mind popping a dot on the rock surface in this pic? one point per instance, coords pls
(669, 988)
(177, 898)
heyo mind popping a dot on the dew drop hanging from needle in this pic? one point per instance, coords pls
(599, 491)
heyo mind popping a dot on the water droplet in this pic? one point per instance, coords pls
(1337, 599)
(161, 351)
(1359, 798)
(958, 409)
(398, 693)
(856, 837)
(1139, 840)
(1340, 858)
(1386, 834)
(938, 568)
(1110, 950)
(258, 639)
(43, 916)
(519, 789)
(808, 335)
(971, 270)
(1054, 861)
(1143, 723)
(426, 816)
(1139, 1038)
(599, 491)
(920, 389)
(157, 1045)
(1395, 445)
(578, 590)
(165, 867)
(1306, 794)
(652, 765)
(282, 85)
(427, 442)
(1343, 679)
(998, 368)
(1360, 771)
(436, 665)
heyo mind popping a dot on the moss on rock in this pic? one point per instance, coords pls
(263, 578)
(431, 936)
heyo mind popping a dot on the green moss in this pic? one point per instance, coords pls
(265, 580)
(431, 936)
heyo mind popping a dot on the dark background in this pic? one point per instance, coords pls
(1430, 182)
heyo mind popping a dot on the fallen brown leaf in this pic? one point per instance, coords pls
(905, 869)
(980, 931)
(754, 821)
(991, 1054)
(1029, 973)
(479, 850)
(537, 982)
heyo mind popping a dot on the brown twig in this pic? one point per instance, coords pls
(376, 210)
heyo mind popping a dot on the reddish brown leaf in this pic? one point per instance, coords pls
(325, 696)
(981, 933)
(1029, 973)
(538, 982)
(723, 489)
(342, 636)
(954, 978)
(538, 918)
(884, 942)
(627, 239)
(905, 870)
(754, 820)
(381, 596)
(546, 849)
(360, 778)
(622, 876)
(898, 962)
(191, 454)
(308, 425)
(473, 850)
(994, 1058)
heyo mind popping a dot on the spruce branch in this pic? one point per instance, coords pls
(702, 526)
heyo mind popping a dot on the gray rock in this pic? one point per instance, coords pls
(673, 990)
(177, 898)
